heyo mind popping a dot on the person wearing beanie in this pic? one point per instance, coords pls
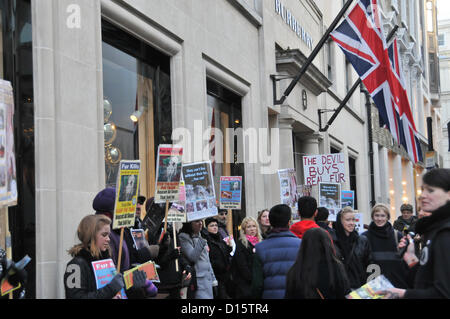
(219, 253)
(274, 256)
(383, 241)
(407, 221)
(307, 209)
(103, 204)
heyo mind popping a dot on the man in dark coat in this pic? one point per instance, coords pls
(274, 256)
(407, 221)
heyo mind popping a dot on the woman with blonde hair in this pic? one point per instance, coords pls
(352, 249)
(383, 242)
(79, 278)
(242, 263)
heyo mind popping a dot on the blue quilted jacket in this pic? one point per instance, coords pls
(276, 254)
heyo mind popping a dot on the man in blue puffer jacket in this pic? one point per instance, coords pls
(274, 256)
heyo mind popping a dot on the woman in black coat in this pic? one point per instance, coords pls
(317, 273)
(219, 256)
(79, 278)
(383, 241)
(242, 263)
(432, 276)
(352, 249)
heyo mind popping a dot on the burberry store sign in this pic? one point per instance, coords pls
(292, 22)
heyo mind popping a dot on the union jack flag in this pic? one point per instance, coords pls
(361, 38)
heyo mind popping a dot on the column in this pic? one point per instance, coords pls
(397, 178)
(286, 143)
(69, 140)
(384, 174)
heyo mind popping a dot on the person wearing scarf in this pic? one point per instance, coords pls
(431, 268)
(242, 262)
(383, 241)
(352, 249)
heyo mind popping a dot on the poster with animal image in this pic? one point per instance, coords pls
(288, 187)
(359, 223)
(230, 192)
(126, 194)
(200, 193)
(348, 199)
(330, 197)
(168, 173)
(8, 179)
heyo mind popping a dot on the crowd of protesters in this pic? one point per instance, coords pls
(274, 258)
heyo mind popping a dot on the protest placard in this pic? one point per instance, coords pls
(359, 223)
(304, 190)
(8, 178)
(288, 187)
(330, 197)
(327, 168)
(150, 270)
(168, 170)
(230, 192)
(138, 236)
(126, 194)
(348, 199)
(200, 194)
(176, 214)
(104, 271)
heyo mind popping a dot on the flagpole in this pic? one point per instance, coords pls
(314, 52)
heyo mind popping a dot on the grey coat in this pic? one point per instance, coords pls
(195, 249)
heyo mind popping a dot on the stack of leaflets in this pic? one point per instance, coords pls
(368, 290)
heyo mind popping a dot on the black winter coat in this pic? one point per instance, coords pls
(219, 255)
(432, 279)
(383, 244)
(86, 286)
(241, 269)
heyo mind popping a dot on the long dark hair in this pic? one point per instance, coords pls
(303, 277)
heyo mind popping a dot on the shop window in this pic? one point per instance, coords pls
(137, 104)
(224, 111)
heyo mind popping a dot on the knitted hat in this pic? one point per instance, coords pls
(280, 215)
(104, 201)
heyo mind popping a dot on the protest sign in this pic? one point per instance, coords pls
(8, 182)
(200, 194)
(104, 271)
(359, 223)
(168, 170)
(150, 270)
(330, 197)
(348, 199)
(327, 168)
(230, 192)
(176, 214)
(126, 196)
(288, 187)
(304, 190)
(138, 236)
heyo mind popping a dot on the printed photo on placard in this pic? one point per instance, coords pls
(330, 197)
(230, 192)
(169, 163)
(200, 194)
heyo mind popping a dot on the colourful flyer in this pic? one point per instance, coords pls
(150, 270)
(168, 173)
(104, 271)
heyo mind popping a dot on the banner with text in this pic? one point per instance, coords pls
(330, 197)
(327, 168)
(168, 173)
(126, 194)
(200, 194)
(230, 192)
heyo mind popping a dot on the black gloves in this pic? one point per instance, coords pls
(174, 254)
(19, 276)
(117, 283)
(139, 278)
